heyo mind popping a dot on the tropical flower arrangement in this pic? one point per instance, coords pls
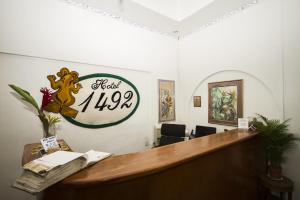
(48, 121)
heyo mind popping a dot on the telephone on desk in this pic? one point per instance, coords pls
(192, 134)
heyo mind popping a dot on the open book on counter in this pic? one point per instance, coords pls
(45, 171)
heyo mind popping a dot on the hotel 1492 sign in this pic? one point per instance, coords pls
(104, 100)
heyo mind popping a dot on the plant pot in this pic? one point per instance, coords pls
(275, 172)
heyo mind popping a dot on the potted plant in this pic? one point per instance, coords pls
(277, 141)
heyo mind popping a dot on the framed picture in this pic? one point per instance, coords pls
(197, 101)
(166, 90)
(225, 102)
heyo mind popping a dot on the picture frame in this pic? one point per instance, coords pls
(197, 101)
(225, 102)
(166, 89)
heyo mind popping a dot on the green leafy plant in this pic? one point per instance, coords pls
(276, 137)
(46, 119)
(52, 120)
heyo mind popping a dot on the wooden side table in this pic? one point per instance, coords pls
(31, 151)
(266, 186)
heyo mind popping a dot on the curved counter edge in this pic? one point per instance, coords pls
(133, 165)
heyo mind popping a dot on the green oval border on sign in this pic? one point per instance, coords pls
(73, 121)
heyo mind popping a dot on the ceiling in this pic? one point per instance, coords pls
(175, 9)
(173, 17)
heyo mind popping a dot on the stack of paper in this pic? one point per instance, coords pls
(50, 169)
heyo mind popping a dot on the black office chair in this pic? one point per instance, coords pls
(204, 130)
(171, 133)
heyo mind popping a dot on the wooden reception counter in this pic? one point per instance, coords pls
(220, 166)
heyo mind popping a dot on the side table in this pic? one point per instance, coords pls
(266, 186)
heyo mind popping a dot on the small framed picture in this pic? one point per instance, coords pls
(197, 101)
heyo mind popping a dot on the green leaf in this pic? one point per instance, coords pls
(25, 95)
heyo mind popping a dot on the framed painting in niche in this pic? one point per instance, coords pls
(197, 101)
(225, 102)
(166, 102)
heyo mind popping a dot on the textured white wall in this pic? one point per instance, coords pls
(63, 35)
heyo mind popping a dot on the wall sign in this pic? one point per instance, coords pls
(50, 143)
(104, 100)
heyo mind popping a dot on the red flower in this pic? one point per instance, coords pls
(47, 97)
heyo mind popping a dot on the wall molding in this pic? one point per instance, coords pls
(74, 62)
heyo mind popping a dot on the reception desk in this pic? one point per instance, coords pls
(215, 167)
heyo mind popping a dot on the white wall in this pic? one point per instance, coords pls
(51, 34)
(292, 83)
(260, 45)
(247, 45)
(54, 29)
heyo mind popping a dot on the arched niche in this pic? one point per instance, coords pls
(258, 98)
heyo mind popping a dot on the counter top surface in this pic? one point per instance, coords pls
(127, 166)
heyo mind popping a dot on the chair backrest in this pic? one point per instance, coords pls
(165, 140)
(204, 130)
(176, 130)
